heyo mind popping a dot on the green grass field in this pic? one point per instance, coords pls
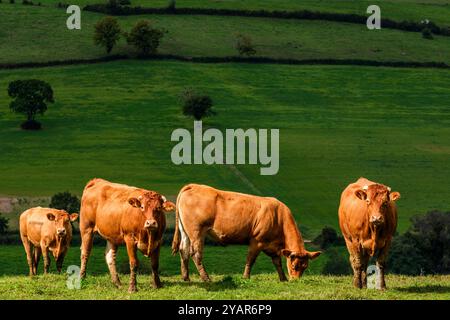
(337, 123)
(225, 266)
(114, 120)
(415, 10)
(212, 36)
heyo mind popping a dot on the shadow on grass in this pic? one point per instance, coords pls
(227, 283)
(425, 289)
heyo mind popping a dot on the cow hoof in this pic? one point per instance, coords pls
(187, 279)
(118, 285)
(157, 286)
(246, 276)
(132, 289)
(284, 280)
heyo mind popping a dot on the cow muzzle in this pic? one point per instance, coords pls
(376, 220)
(150, 224)
(61, 232)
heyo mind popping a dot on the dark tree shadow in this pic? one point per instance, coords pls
(425, 289)
(227, 283)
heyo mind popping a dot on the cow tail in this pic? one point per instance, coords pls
(176, 236)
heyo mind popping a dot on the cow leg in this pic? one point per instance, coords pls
(131, 249)
(155, 267)
(355, 261)
(253, 252)
(381, 264)
(197, 255)
(364, 264)
(110, 256)
(46, 258)
(184, 258)
(37, 257)
(87, 237)
(276, 260)
(185, 248)
(29, 251)
(59, 262)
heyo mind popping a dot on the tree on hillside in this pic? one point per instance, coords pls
(171, 5)
(244, 45)
(327, 238)
(65, 201)
(196, 105)
(144, 37)
(424, 248)
(107, 33)
(3, 224)
(30, 98)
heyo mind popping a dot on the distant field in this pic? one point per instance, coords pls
(415, 10)
(225, 265)
(114, 120)
(37, 34)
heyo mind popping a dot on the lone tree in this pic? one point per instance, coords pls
(3, 224)
(196, 105)
(327, 238)
(244, 45)
(172, 5)
(65, 201)
(30, 98)
(107, 33)
(144, 37)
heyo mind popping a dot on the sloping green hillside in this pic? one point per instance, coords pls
(114, 120)
(38, 34)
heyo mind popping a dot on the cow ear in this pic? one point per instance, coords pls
(313, 255)
(286, 252)
(169, 206)
(50, 216)
(393, 196)
(361, 194)
(73, 216)
(134, 202)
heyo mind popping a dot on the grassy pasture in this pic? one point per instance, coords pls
(225, 265)
(39, 34)
(415, 10)
(114, 120)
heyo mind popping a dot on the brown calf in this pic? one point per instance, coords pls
(266, 224)
(123, 214)
(43, 230)
(368, 219)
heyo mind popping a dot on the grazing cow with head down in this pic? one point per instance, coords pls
(368, 220)
(123, 214)
(46, 230)
(266, 224)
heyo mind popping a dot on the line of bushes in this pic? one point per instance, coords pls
(231, 59)
(300, 14)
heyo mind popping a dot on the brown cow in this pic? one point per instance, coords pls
(123, 214)
(44, 230)
(266, 224)
(368, 219)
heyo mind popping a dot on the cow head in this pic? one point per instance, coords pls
(153, 206)
(62, 221)
(377, 197)
(297, 262)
